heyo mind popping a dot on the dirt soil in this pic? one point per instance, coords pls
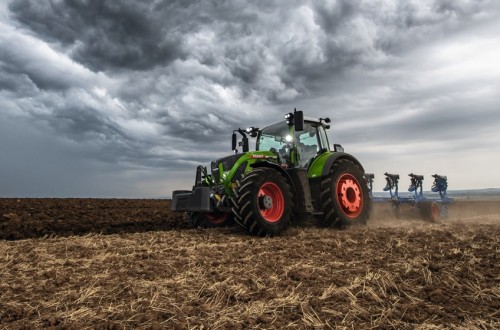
(113, 264)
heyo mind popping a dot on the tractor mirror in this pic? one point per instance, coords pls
(233, 140)
(244, 144)
(298, 117)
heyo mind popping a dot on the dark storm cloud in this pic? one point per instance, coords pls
(110, 35)
(330, 17)
(106, 34)
(11, 81)
(306, 44)
(81, 122)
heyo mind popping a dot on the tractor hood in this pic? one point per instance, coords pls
(224, 164)
(237, 164)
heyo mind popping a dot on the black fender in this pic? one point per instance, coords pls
(337, 156)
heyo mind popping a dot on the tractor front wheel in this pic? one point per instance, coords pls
(344, 196)
(264, 203)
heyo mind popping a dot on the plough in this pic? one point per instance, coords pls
(432, 209)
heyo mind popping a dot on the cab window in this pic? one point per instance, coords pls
(307, 144)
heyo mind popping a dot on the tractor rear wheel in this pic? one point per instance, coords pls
(344, 196)
(264, 203)
(210, 219)
(430, 211)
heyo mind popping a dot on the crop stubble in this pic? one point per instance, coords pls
(98, 263)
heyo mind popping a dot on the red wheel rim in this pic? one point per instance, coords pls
(275, 211)
(349, 195)
(215, 218)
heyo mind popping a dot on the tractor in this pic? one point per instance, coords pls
(292, 173)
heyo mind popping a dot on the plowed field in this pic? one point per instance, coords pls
(111, 263)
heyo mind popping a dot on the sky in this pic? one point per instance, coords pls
(104, 98)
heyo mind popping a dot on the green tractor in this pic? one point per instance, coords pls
(292, 173)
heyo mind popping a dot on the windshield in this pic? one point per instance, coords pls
(276, 136)
(306, 143)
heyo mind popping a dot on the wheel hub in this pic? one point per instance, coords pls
(271, 201)
(265, 202)
(349, 195)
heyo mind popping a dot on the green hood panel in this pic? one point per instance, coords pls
(242, 166)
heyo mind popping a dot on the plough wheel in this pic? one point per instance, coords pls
(430, 211)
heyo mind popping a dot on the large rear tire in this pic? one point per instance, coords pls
(344, 196)
(263, 204)
(210, 219)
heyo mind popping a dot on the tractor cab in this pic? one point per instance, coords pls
(294, 148)
(295, 142)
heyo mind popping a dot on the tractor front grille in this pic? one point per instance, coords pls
(227, 163)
